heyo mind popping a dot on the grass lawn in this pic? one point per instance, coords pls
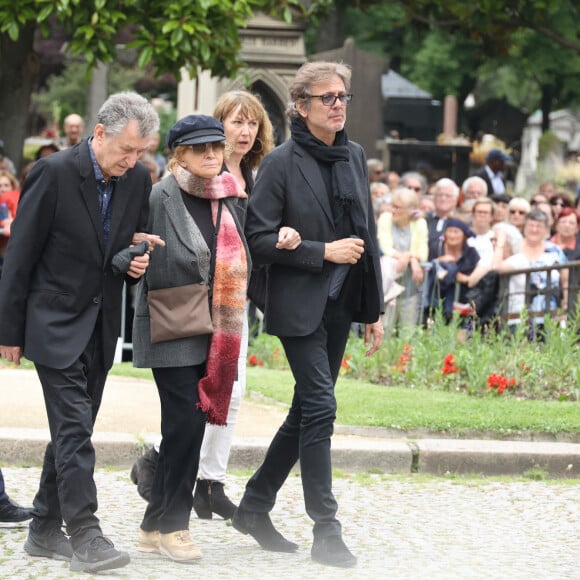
(361, 403)
(365, 404)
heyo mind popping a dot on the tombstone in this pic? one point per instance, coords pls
(272, 52)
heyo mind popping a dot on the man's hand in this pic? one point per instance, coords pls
(11, 353)
(378, 332)
(288, 239)
(139, 265)
(151, 238)
(345, 251)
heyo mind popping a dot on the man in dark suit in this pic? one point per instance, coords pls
(60, 306)
(316, 183)
(493, 171)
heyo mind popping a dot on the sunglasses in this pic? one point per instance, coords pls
(201, 148)
(558, 202)
(518, 211)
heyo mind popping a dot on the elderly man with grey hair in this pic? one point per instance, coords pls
(474, 187)
(415, 181)
(60, 306)
(445, 199)
(376, 169)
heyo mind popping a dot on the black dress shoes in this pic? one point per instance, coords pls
(332, 551)
(11, 512)
(260, 527)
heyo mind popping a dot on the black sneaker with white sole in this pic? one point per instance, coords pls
(48, 542)
(97, 555)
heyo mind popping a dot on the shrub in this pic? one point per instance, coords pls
(494, 364)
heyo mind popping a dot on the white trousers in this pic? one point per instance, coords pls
(217, 441)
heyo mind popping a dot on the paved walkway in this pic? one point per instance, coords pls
(399, 527)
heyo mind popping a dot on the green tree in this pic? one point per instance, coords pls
(536, 73)
(168, 34)
(495, 21)
(69, 90)
(527, 51)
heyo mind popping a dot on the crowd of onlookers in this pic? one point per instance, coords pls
(445, 246)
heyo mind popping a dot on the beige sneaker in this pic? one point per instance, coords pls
(148, 541)
(179, 546)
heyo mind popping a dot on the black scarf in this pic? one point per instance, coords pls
(344, 189)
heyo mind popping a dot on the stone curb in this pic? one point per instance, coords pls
(351, 454)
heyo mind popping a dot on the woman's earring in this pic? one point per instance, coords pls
(229, 149)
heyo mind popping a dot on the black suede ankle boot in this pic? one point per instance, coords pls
(209, 498)
(219, 501)
(201, 503)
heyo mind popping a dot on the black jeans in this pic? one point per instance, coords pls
(67, 489)
(182, 429)
(305, 434)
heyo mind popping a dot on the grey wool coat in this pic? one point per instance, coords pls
(185, 259)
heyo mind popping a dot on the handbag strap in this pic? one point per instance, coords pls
(214, 247)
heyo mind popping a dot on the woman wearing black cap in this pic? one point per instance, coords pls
(452, 266)
(200, 215)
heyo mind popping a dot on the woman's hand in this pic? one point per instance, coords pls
(417, 273)
(288, 239)
(403, 260)
(151, 238)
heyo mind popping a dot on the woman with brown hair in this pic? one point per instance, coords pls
(249, 137)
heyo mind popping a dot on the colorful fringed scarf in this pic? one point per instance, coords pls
(230, 280)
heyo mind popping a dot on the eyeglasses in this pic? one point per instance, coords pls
(481, 212)
(558, 202)
(518, 211)
(415, 188)
(329, 99)
(201, 148)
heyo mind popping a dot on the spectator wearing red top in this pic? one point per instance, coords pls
(567, 226)
(9, 194)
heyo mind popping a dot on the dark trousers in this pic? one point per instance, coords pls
(305, 434)
(3, 495)
(67, 489)
(182, 429)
